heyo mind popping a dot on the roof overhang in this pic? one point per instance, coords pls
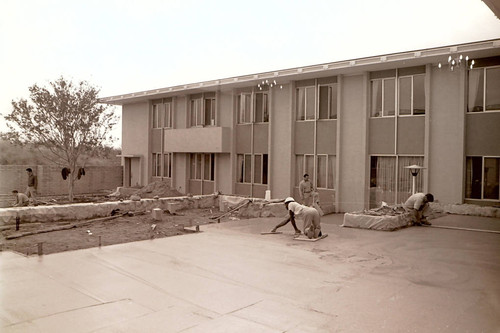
(345, 67)
(494, 5)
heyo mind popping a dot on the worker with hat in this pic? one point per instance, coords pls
(310, 216)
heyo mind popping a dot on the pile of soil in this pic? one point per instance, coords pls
(158, 188)
(122, 229)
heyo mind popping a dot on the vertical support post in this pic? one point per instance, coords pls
(18, 221)
(40, 248)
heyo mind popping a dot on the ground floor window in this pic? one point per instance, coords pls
(320, 168)
(167, 165)
(482, 178)
(156, 164)
(202, 166)
(390, 181)
(252, 168)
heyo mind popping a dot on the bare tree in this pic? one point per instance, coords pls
(65, 118)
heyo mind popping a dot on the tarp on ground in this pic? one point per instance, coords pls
(385, 219)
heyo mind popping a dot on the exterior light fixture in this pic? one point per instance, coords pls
(414, 169)
(266, 83)
(457, 62)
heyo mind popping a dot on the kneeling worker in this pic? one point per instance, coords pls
(21, 199)
(312, 226)
(416, 206)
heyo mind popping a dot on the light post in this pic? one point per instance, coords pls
(414, 169)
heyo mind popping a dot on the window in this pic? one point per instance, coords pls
(328, 102)
(167, 165)
(260, 169)
(156, 115)
(210, 111)
(383, 97)
(244, 108)
(209, 167)
(255, 173)
(253, 107)
(202, 167)
(324, 173)
(305, 103)
(196, 112)
(167, 117)
(411, 95)
(156, 164)
(484, 89)
(482, 178)
(261, 108)
(390, 181)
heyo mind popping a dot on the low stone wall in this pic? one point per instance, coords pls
(466, 209)
(93, 210)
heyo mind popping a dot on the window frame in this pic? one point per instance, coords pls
(330, 106)
(383, 92)
(167, 116)
(484, 88)
(156, 164)
(167, 166)
(482, 198)
(298, 105)
(264, 170)
(412, 95)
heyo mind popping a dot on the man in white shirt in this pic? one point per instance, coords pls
(416, 205)
(310, 216)
(305, 190)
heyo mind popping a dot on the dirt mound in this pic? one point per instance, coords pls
(158, 188)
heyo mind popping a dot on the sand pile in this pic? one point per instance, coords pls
(158, 188)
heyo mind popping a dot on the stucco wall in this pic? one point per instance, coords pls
(281, 163)
(135, 135)
(353, 148)
(446, 151)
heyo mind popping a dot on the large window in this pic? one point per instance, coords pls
(167, 165)
(390, 181)
(484, 89)
(156, 164)
(252, 169)
(162, 113)
(411, 95)
(305, 103)
(322, 174)
(482, 178)
(203, 110)
(383, 97)
(156, 116)
(202, 167)
(253, 107)
(328, 101)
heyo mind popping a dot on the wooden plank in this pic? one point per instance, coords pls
(304, 238)
(271, 233)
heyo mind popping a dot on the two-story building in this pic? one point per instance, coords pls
(352, 125)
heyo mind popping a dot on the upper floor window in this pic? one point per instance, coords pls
(162, 113)
(411, 95)
(203, 110)
(253, 107)
(305, 101)
(484, 89)
(383, 97)
(328, 101)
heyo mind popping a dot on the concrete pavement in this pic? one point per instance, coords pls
(229, 278)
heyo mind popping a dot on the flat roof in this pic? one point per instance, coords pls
(351, 66)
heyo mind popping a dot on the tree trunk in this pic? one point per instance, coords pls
(71, 184)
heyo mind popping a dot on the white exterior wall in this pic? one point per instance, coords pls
(135, 136)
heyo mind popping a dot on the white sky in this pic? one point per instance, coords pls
(126, 46)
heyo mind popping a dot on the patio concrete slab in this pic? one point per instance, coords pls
(229, 278)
